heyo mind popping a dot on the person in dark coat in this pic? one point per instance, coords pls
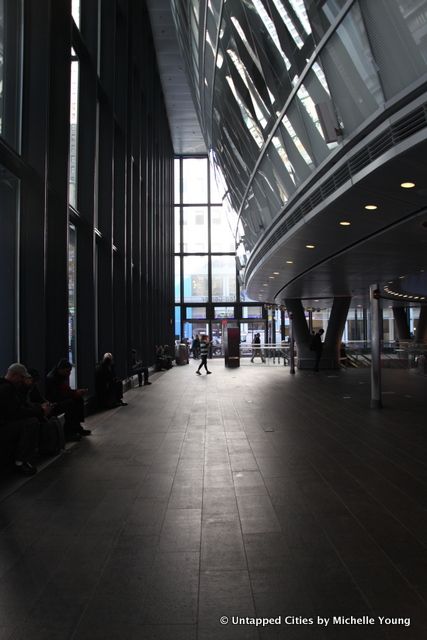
(195, 348)
(317, 347)
(66, 400)
(19, 418)
(139, 369)
(108, 388)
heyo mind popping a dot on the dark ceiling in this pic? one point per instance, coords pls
(186, 134)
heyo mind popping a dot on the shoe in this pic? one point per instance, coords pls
(198, 373)
(146, 384)
(208, 372)
(123, 404)
(25, 468)
(84, 432)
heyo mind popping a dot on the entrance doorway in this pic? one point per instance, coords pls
(248, 329)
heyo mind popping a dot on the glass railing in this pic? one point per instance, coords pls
(266, 354)
(394, 355)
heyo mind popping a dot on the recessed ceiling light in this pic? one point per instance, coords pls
(407, 185)
(345, 223)
(316, 301)
(289, 262)
(310, 246)
(271, 277)
(265, 284)
(371, 207)
(401, 277)
(276, 273)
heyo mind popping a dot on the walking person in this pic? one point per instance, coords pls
(204, 348)
(257, 352)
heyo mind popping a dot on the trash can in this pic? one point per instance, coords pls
(182, 354)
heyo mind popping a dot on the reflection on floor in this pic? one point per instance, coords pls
(247, 493)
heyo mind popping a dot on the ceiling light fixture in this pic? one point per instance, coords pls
(310, 246)
(407, 185)
(371, 207)
(289, 262)
(345, 223)
(276, 273)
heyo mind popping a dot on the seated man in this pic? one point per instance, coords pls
(66, 400)
(108, 388)
(139, 369)
(20, 419)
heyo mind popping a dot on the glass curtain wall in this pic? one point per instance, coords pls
(86, 213)
(207, 294)
(11, 71)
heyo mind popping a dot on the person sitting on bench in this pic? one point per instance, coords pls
(139, 369)
(20, 419)
(66, 400)
(108, 388)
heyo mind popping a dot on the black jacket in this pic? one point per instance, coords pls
(13, 404)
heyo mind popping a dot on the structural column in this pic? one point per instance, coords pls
(336, 324)
(301, 334)
(376, 322)
(421, 333)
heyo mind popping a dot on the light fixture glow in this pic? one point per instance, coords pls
(289, 262)
(271, 277)
(407, 185)
(345, 223)
(310, 246)
(371, 207)
(276, 273)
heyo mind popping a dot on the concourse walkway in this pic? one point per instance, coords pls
(246, 493)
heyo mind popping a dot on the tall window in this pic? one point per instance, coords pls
(205, 265)
(72, 287)
(74, 122)
(9, 193)
(11, 71)
(75, 11)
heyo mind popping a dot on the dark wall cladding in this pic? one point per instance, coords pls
(95, 275)
(287, 83)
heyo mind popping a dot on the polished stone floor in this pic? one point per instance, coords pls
(249, 494)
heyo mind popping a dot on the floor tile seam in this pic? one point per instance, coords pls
(367, 492)
(381, 551)
(201, 536)
(311, 433)
(375, 447)
(112, 547)
(158, 552)
(240, 519)
(89, 600)
(365, 598)
(358, 413)
(366, 430)
(108, 557)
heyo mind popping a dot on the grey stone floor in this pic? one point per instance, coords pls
(248, 493)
